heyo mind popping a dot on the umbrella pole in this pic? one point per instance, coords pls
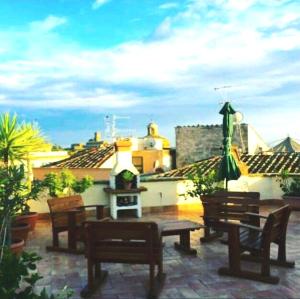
(226, 184)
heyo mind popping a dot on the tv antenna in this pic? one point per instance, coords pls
(222, 90)
(111, 126)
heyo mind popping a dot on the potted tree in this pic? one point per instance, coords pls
(14, 192)
(127, 178)
(203, 184)
(291, 189)
(17, 140)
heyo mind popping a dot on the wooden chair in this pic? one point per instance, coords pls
(69, 214)
(123, 242)
(228, 205)
(257, 241)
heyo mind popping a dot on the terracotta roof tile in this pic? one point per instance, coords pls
(257, 164)
(87, 158)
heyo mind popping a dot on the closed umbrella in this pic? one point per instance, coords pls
(228, 169)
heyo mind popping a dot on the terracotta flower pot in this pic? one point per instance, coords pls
(293, 201)
(17, 246)
(127, 185)
(29, 218)
(20, 230)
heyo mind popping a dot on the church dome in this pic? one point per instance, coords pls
(152, 129)
(153, 132)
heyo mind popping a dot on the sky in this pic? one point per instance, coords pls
(66, 64)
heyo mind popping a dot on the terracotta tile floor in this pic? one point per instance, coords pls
(187, 277)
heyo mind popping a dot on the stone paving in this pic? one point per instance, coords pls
(187, 276)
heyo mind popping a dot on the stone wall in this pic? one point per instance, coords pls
(194, 143)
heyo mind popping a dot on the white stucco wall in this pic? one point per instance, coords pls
(159, 194)
(110, 162)
(167, 193)
(267, 186)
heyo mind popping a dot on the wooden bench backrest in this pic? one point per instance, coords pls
(230, 205)
(123, 242)
(276, 225)
(62, 204)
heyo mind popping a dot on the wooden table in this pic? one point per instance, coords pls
(183, 229)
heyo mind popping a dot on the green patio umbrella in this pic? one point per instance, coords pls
(228, 169)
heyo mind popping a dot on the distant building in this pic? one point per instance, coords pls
(150, 154)
(194, 143)
(288, 145)
(93, 142)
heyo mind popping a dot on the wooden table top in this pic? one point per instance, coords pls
(174, 226)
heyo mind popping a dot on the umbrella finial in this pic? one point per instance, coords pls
(227, 108)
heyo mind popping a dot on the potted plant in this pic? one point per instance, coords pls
(17, 140)
(127, 178)
(25, 215)
(203, 184)
(291, 189)
(14, 192)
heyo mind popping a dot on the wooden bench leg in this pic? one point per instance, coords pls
(95, 278)
(155, 283)
(235, 262)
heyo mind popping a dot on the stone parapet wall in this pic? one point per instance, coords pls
(194, 143)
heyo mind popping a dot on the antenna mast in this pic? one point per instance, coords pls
(111, 126)
(223, 93)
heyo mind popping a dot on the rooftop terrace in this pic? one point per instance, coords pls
(187, 276)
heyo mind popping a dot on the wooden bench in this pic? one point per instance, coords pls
(257, 242)
(123, 242)
(69, 214)
(228, 206)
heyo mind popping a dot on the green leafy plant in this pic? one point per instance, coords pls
(18, 277)
(18, 139)
(65, 183)
(289, 185)
(82, 185)
(203, 184)
(14, 196)
(127, 176)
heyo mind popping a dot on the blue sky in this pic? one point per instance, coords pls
(68, 63)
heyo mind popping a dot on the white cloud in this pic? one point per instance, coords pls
(48, 24)
(168, 5)
(99, 3)
(185, 58)
(58, 97)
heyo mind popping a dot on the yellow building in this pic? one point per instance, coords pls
(152, 153)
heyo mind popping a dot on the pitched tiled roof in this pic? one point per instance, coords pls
(87, 158)
(287, 145)
(257, 164)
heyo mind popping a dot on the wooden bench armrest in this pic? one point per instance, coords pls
(256, 215)
(90, 206)
(242, 225)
